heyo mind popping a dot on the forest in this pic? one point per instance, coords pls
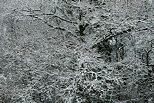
(76, 51)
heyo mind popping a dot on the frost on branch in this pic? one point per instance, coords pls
(76, 51)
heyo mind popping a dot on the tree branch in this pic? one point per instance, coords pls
(50, 14)
(54, 27)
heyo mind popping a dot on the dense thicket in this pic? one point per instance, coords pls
(77, 51)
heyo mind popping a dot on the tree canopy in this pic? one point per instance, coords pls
(76, 51)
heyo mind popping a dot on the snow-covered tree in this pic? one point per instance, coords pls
(76, 51)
